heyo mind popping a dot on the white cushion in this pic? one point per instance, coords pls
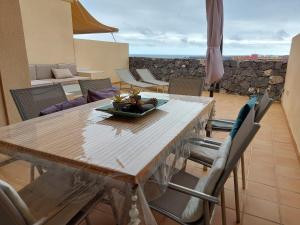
(62, 73)
(37, 83)
(194, 208)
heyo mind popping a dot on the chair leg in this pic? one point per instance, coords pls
(223, 207)
(236, 195)
(243, 172)
(206, 213)
(32, 172)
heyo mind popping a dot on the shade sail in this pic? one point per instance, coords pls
(215, 18)
(85, 23)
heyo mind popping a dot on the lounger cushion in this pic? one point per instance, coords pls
(16, 202)
(63, 106)
(100, 95)
(242, 115)
(62, 73)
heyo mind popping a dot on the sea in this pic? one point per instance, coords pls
(173, 56)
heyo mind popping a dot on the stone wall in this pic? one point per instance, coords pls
(242, 77)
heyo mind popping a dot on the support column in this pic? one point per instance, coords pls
(13, 58)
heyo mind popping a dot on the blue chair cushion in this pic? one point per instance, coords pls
(242, 115)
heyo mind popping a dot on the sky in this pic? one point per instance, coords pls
(170, 27)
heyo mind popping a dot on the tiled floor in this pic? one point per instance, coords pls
(272, 195)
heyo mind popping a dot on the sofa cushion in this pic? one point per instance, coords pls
(70, 66)
(32, 72)
(44, 71)
(62, 73)
(38, 83)
(71, 80)
(64, 105)
(100, 95)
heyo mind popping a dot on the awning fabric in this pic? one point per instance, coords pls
(85, 23)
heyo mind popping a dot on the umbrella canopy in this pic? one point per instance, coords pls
(215, 18)
(85, 23)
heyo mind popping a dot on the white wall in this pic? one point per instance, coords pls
(13, 59)
(48, 31)
(290, 98)
(100, 55)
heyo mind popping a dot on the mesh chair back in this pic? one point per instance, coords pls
(31, 101)
(125, 75)
(186, 86)
(146, 75)
(239, 144)
(263, 106)
(94, 85)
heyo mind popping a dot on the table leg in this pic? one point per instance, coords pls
(134, 212)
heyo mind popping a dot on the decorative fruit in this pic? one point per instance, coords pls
(152, 101)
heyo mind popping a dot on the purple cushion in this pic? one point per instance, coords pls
(100, 95)
(63, 105)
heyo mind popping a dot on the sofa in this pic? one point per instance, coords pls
(41, 74)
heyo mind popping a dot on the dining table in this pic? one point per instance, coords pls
(127, 150)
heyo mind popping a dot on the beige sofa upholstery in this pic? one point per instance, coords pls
(41, 74)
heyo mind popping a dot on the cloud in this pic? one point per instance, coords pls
(180, 26)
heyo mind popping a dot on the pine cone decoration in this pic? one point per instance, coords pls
(152, 101)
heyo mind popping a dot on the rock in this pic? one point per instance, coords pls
(239, 76)
(245, 85)
(268, 72)
(276, 80)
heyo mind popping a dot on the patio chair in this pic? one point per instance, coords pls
(51, 199)
(31, 101)
(205, 151)
(94, 85)
(148, 77)
(191, 200)
(226, 125)
(186, 86)
(126, 76)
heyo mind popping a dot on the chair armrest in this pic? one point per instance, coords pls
(204, 143)
(212, 141)
(193, 193)
(222, 121)
(207, 145)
